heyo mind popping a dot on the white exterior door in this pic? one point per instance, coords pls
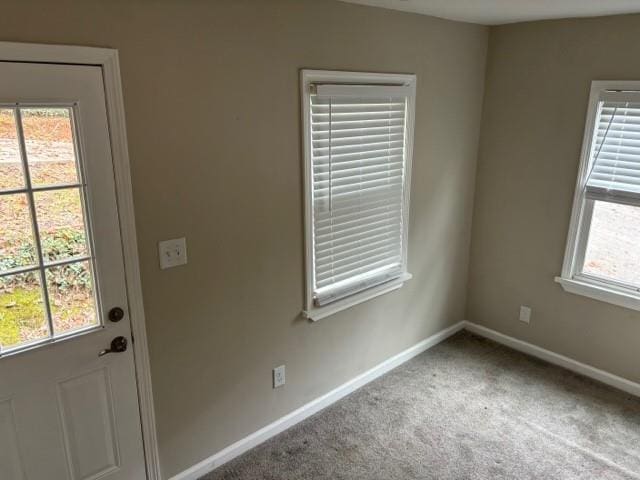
(65, 411)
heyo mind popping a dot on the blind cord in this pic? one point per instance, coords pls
(330, 157)
(331, 179)
(604, 139)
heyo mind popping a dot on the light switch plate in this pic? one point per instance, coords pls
(172, 252)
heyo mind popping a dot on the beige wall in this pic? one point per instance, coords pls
(212, 103)
(538, 80)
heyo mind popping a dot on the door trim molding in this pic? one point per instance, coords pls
(108, 60)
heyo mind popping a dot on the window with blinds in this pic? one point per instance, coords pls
(615, 164)
(359, 149)
(602, 258)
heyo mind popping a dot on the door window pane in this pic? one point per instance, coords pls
(22, 313)
(613, 247)
(49, 143)
(41, 224)
(11, 174)
(61, 224)
(71, 297)
(17, 248)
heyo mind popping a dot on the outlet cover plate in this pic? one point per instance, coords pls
(525, 314)
(278, 376)
(172, 252)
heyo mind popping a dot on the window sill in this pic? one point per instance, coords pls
(318, 313)
(619, 297)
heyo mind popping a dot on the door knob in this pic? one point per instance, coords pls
(118, 345)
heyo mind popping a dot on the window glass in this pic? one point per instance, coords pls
(22, 315)
(613, 247)
(46, 274)
(49, 143)
(11, 174)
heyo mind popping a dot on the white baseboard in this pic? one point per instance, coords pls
(283, 423)
(289, 420)
(555, 358)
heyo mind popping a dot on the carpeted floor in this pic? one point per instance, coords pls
(466, 409)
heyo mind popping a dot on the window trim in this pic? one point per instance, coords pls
(571, 278)
(308, 77)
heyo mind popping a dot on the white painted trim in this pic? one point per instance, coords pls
(124, 189)
(603, 292)
(555, 358)
(289, 420)
(107, 59)
(307, 78)
(576, 223)
(318, 313)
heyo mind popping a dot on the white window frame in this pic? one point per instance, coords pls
(307, 78)
(572, 279)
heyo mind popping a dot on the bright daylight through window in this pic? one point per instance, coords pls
(46, 281)
(358, 137)
(604, 241)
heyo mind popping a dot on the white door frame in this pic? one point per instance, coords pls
(107, 59)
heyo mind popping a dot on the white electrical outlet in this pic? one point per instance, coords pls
(278, 376)
(172, 252)
(525, 314)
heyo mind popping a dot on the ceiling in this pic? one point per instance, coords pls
(496, 12)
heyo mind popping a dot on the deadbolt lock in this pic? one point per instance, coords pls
(116, 314)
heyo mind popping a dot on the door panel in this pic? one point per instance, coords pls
(65, 412)
(10, 463)
(86, 408)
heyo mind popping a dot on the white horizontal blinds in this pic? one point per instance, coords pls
(615, 160)
(358, 167)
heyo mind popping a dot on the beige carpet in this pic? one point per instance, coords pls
(466, 409)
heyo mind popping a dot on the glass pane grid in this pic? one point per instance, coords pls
(46, 274)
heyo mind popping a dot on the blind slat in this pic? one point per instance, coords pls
(357, 140)
(349, 163)
(322, 105)
(355, 182)
(325, 172)
(354, 249)
(354, 211)
(359, 234)
(356, 124)
(332, 235)
(333, 267)
(344, 274)
(358, 132)
(323, 226)
(366, 155)
(336, 248)
(347, 195)
(325, 208)
(379, 144)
